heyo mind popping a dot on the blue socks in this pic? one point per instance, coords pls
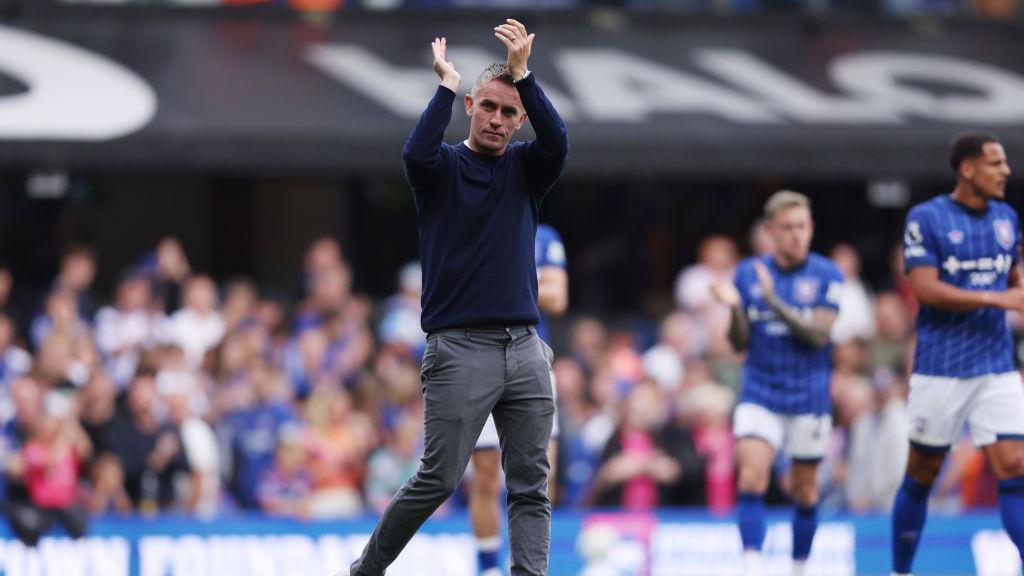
(908, 516)
(487, 551)
(750, 515)
(1011, 508)
(750, 512)
(805, 523)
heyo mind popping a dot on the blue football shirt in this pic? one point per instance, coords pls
(972, 250)
(783, 373)
(549, 251)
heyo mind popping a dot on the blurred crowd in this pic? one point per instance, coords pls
(192, 394)
(983, 8)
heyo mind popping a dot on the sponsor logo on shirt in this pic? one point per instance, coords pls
(1001, 264)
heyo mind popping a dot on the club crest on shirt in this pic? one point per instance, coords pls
(805, 290)
(955, 236)
(1004, 233)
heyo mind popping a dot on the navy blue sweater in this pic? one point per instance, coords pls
(477, 214)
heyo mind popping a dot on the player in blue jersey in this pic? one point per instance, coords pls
(783, 306)
(961, 252)
(552, 300)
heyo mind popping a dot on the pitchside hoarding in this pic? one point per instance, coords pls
(597, 544)
(166, 90)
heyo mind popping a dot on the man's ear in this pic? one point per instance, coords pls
(967, 169)
(469, 104)
(521, 121)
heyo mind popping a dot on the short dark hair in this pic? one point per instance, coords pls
(969, 145)
(496, 71)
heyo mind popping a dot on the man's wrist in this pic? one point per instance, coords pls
(517, 78)
(451, 83)
(990, 298)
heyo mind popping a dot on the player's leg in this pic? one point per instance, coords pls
(484, 510)
(524, 417)
(759, 433)
(910, 507)
(807, 439)
(997, 426)
(462, 379)
(1007, 460)
(937, 408)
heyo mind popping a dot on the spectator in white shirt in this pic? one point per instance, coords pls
(717, 257)
(856, 318)
(198, 326)
(201, 489)
(124, 330)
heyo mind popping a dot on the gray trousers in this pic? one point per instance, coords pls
(467, 374)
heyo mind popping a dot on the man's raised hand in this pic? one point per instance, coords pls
(450, 78)
(513, 35)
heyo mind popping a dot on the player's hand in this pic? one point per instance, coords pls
(726, 293)
(445, 70)
(514, 36)
(764, 278)
(1012, 299)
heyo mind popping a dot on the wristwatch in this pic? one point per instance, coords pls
(521, 79)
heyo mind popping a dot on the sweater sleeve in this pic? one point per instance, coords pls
(422, 154)
(547, 154)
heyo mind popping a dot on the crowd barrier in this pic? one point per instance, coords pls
(600, 543)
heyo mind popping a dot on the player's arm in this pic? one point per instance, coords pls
(814, 330)
(552, 142)
(930, 290)
(552, 290)
(739, 324)
(1015, 280)
(422, 151)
